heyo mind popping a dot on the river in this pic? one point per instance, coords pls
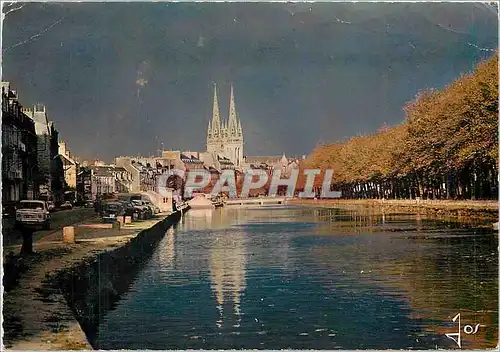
(298, 277)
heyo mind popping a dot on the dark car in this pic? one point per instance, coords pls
(129, 209)
(154, 209)
(144, 211)
(89, 204)
(113, 209)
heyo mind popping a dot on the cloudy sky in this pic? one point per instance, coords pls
(120, 78)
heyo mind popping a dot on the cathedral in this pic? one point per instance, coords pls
(225, 138)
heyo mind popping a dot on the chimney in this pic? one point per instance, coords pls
(62, 148)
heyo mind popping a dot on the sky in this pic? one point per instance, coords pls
(122, 78)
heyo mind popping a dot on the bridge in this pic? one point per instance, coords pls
(255, 201)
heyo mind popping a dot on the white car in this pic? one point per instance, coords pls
(34, 214)
(66, 205)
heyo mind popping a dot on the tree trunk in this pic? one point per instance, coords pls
(27, 247)
(472, 184)
(420, 187)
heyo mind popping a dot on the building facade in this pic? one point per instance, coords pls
(104, 181)
(70, 165)
(273, 163)
(50, 165)
(84, 184)
(225, 138)
(19, 150)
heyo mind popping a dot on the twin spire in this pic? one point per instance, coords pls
(218, 128)
(215, 112)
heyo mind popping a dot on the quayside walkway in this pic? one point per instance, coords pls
(255, 201)
(487, 209)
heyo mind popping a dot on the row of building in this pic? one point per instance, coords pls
(224, 151)
(136, 174)
(37, 165)
(31, 166)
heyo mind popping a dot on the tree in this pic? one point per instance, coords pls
(27, 246)
(446, 147)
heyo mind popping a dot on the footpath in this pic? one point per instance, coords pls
(36, 314)
(476, 209)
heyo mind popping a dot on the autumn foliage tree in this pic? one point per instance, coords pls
(447, 147)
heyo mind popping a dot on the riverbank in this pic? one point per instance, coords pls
(487, 210)
(42, 305)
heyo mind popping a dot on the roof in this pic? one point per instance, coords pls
(258, 166)
(224, 161)
(270, 159)
(106, 170)
(68, 159)
(190, 159)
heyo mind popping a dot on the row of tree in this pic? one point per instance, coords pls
(447, 147)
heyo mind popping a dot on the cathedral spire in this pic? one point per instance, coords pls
(233, 124)
(215, 113)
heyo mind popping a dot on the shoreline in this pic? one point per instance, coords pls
(39, 311)
(481, 210)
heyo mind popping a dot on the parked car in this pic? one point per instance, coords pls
(66, 205)
(144, 211)
(33, 214)
(89, 204)
(9, 210)
(113, 209)
(150, 206)
(51, 206)
(157, 209)
(135, 197)
(154, 208)
(129, 209)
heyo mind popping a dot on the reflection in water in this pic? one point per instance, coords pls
(198, 219)
(213, 219)
(227, 258)
(167, 254)
(310, 278)
(227, 268)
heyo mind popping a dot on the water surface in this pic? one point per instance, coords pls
(296, 277)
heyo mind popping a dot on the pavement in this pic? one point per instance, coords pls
(59, 219)
(37, 316)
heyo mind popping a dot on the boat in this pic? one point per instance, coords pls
(199, 201)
